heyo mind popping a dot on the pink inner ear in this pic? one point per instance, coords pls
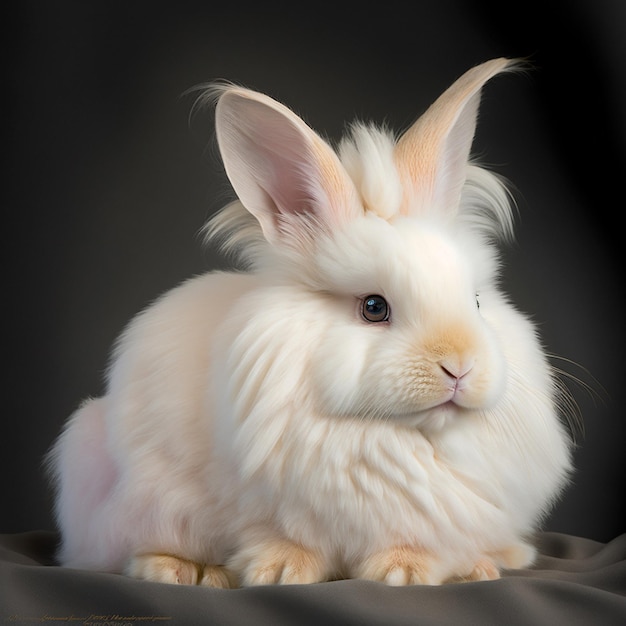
(281, 170)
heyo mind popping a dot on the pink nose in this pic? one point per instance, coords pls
(455, 368)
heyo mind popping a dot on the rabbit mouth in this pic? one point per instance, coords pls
(435, 415)
(435, 418)
(451, 406)
(456, 398)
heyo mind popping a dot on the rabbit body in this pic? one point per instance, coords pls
(268, 427)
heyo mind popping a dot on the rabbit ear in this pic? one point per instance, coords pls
(432, 155)
(281, 170)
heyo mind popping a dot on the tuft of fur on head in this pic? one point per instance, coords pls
(367, 154)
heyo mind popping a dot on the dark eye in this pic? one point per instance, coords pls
(477, 301)
(375, 309)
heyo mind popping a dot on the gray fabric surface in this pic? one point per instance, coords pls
(575, 582)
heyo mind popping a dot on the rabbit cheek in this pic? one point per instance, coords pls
(480, 389)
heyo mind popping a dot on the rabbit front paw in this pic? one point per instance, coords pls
(278, 561)
(399, 566)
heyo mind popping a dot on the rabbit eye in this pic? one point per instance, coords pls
(477, 301)
(375, 309)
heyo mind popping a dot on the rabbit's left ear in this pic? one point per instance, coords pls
(282, 171)
(433, 154)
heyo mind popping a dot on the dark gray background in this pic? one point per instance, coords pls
(107, 182)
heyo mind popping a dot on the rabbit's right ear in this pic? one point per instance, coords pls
(432, 156)
(281, 170)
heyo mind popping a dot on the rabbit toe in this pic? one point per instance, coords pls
(163, 568)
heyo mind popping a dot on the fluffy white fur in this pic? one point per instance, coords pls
(257, 429)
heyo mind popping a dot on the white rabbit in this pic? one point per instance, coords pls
(362, 401)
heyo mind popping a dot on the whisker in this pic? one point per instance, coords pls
(594, 390)
(572, 411)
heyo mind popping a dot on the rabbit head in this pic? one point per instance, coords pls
(388, 245)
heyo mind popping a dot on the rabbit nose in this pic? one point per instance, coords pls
(455, 368)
